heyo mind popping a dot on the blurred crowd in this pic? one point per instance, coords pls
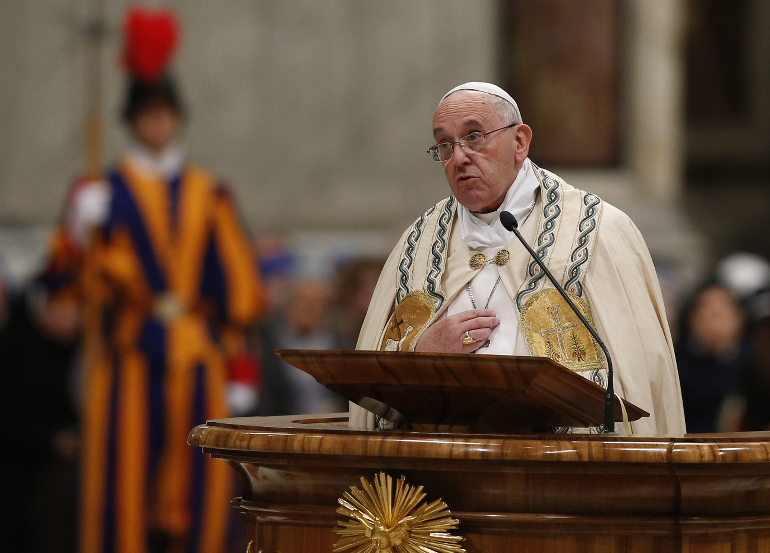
(721, 334)
(41, 375)
(306, 312)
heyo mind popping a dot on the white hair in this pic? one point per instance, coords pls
(509, 113)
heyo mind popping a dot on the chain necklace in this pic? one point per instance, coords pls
(473, 302)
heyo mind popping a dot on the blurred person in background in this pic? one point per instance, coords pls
(38, 465)
(711, 354)
(154, 252)
(755, 389)
(354, 287)
(747, 275)
(303, 325)
(277, 266)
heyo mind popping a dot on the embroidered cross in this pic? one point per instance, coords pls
(398, 324)
(559, 330)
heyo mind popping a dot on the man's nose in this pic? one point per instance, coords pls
(459, 155)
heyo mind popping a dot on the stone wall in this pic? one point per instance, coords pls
(317, 112)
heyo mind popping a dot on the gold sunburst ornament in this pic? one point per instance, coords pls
(381, 522)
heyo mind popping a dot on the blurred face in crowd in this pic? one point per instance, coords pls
(480, 180)
(716, 321)
(308, 307)
(60, 320)
(156, 126)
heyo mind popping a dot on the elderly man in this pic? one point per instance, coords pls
(459, 282)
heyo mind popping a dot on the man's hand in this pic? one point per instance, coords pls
(446, 336)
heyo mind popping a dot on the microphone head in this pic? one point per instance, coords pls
(508, 220)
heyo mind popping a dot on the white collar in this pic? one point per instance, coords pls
(167, 164)
(484, 230)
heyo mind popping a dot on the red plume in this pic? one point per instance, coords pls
(150, 40)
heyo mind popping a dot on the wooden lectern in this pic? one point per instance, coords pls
(511, 493)
(461, 392)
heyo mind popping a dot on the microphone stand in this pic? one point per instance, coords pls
(509, 222)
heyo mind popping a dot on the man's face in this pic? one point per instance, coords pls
(156, 126)
(479, 180)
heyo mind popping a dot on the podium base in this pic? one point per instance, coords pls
(512, 493)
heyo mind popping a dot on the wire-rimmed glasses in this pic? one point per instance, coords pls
(472, 142)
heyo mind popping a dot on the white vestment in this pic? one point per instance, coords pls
(485, 233)
(596, 251)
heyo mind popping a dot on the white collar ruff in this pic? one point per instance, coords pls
(484, 230)
(166, 164)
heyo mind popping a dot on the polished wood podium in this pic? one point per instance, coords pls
(512, 493)
(457, 392)
(513, 490)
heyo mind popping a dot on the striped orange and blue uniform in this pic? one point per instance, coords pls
(169, 284)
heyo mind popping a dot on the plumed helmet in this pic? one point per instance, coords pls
(150, 41)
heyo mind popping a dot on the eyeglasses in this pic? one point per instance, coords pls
(473, 142)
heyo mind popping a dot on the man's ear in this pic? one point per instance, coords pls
(523, 138)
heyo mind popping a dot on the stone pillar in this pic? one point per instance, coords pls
(655, 93)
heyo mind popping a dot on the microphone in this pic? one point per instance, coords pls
(509, 222)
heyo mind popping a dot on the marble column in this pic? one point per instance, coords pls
(655, 97)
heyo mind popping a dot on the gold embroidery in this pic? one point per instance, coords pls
(393, 345)
(577, 349)
(552, 330)
(478, 261)
(550, 351)
(408, 321)
(558, 330)
(502, 257)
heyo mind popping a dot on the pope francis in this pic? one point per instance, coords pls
(458, 281)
